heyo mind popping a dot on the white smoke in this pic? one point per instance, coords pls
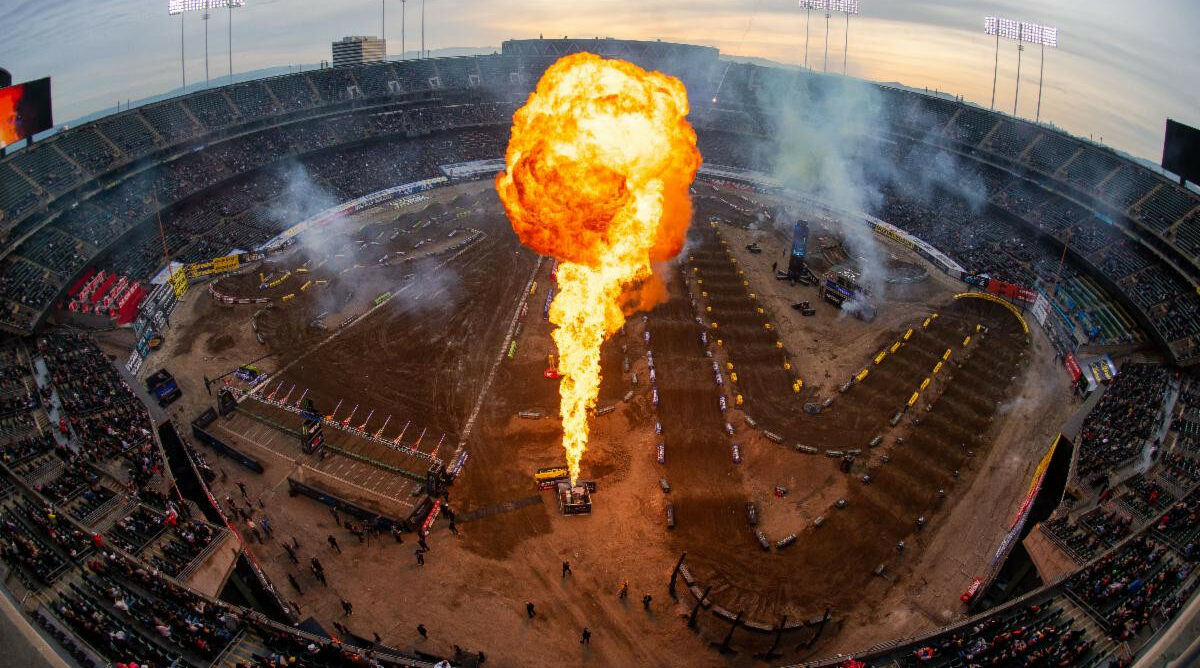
(827, 146)
(832, 141)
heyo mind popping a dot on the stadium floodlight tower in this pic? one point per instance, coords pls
(846, 7)
(181, 7)
(1021, 31)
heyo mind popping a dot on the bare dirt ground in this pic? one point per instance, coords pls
(424, 358)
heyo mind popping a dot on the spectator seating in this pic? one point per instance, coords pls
(45, 166)
(88, 149)
(1117, 428)
(211, 108)
(129, 132)
(251, 99)
(170, 120)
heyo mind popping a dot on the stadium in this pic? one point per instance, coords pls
(281, 386)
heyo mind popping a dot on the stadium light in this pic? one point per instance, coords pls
(181, 7)
(846, 7)
(1022, 32)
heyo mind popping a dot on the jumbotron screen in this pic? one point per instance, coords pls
(25, 110)
(1181, 150)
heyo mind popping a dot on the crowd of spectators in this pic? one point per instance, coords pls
(1180, 525)
(1093, 533)
(1118, 427)
(138, 529)
(121, 604)
(1132, 586)
(80, 233)
(19, 450)
(1036, 634)
(185, 542)
(1145, 497)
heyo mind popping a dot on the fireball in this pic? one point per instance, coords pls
(597, 175)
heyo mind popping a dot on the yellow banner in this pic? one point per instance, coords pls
(227, 263)
(179, 282)
(218, 265)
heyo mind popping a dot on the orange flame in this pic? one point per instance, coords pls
(597, 176)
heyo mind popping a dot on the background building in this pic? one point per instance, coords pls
(358, 49)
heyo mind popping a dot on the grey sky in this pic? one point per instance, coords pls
(1121, 69)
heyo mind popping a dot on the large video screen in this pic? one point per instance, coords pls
(1181, 151)
(25, 110)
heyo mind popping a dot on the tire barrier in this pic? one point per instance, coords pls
(530, 415)
(773, 437)
(763, 541)
(227, 299)
(605, 410)
(875, 442)
(750, 422)
(806, 449)
(785, 542)
(267, 285)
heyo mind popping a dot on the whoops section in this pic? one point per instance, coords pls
(738, 328)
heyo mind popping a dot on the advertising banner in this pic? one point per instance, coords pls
(1072, 366)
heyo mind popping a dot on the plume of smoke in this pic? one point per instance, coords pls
(301, 197)
(825, 140)
(831, 140)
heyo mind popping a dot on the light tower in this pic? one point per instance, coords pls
(830, 7)
(181, 7)
(1021, 31)
(846, 7)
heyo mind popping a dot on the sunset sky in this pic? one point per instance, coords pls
(1120, 70)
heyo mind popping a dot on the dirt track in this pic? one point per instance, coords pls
(423, 357)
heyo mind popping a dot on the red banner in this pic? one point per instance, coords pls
(1011, 291)
(1073, 367)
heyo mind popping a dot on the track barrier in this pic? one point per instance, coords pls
(996, 300)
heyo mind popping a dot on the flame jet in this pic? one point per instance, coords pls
(597, 175)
